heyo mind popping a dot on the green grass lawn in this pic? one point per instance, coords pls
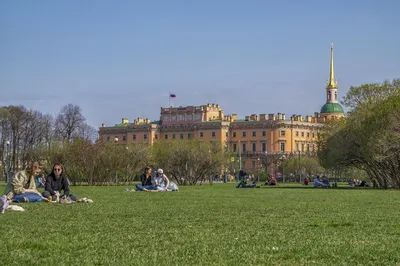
(207, 225)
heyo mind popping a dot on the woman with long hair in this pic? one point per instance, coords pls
(56, 182)
(22, 188)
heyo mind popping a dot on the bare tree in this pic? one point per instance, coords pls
(35, 132)
(187, 162)
(68, 122)
(5, 137)
(87, 133)
(18, 118)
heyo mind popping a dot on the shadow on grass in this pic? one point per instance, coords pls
(311, 187)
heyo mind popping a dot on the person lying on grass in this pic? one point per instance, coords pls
(55, 182)
(22, 188)
(243, 184)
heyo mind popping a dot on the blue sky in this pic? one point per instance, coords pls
(122, 58)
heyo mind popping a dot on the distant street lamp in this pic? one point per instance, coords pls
(240, 156)
(116, 170)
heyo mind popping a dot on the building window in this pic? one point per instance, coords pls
(253, 164)
(263, 146)
(233, 134)
(134, 136)
(313, 135)
(213, 134)
(302, 134)
(254, 146)
(254, 133)
(283, 148)
(173, 136)
(264, 133)
(234, 147)
(308, 147)
(244, 147)
(145, 136)
(308, 134)
(335, 96)
(201, 134)
(297, 146)
(124, 138)
(302, 147)
(282, 133)
(226, 134)
(166, 136)
(189, 135)
(297, 133)
(244, 134)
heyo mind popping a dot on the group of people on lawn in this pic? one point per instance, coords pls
(161, 182)
(243, 183)
(22, 186)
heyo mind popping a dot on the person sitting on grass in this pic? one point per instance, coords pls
(22, 188)
(162, 181)
(362, 183)
(318, 183)
(55, 182)
(147, 184)
(40, 181)
(271, 182)
(325, 181)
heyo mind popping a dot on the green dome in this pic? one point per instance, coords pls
(332, 108)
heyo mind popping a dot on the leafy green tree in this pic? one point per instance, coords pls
(368, 138)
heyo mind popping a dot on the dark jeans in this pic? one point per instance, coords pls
(47, 194)
(244, 185)
(27, 197)
(141, 188)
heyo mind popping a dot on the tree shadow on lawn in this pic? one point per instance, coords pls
(311, 187)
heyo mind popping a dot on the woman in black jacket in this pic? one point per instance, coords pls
(56, 182)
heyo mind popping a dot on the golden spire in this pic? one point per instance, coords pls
(332, 84)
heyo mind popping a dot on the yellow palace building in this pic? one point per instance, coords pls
(255, 134)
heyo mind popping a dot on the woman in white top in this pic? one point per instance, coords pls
(162, 181)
